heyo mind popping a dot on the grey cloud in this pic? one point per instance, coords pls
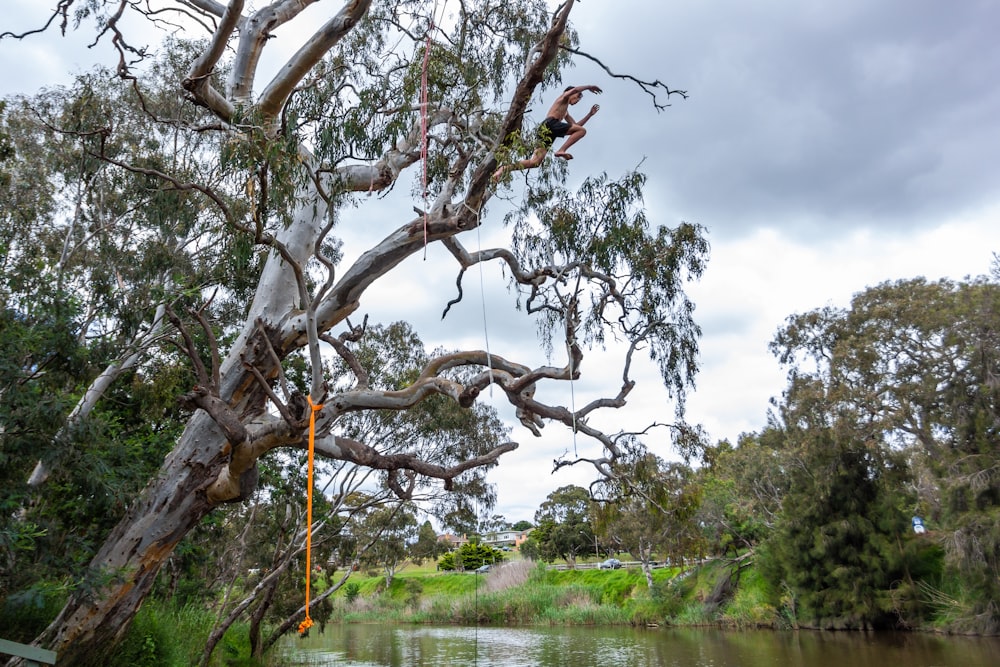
(821, 116)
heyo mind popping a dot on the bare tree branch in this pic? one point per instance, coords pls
(198, 81)
(348, 356)
(61, 10)
(648, 87)
(274, 96)
(347, 449)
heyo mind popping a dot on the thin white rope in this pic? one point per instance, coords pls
(572, 389)
(482, 300)
(476, 626)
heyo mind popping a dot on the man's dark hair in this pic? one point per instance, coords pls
(568, 88)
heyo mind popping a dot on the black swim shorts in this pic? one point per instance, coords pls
(550, 129)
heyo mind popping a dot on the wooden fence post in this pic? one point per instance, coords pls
(31, 654)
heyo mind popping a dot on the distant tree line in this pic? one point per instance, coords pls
(891, 416)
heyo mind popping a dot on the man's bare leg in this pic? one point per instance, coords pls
(575, 134)
(532, 162)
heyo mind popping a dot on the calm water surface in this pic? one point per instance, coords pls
(430, 646)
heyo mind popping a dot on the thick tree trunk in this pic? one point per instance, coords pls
(196, 475)
(124, 570)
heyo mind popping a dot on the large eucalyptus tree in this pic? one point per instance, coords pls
(379, 88)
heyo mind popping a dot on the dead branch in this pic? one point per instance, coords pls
(468, 259)
(62, 9)
(279, 369)
(119, 43)
(191, 351)
(280, 406)
(205, 394)
(648, 87)
(348, 356)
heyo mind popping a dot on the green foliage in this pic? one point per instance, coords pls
(469, 556)
(905, 372)
(837, 541)
(604, 227)
(530, 548)
(388, 528)
(104, 459)
(743, 488)
(605, 586)
(343, 107)
(694, 596)
(23, 615)
(88, 254)
(649, 507)
(750, 606)
(563, 528)
(570, 597)
(427, 546)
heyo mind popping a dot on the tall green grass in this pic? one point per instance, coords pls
(162, 635)
(518, 593)
(750, 605)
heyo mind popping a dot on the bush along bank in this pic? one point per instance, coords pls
(731, 593)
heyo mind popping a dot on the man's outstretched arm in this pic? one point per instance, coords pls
(594, 109)
(579, 89)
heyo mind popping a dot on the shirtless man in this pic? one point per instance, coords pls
(557, 123)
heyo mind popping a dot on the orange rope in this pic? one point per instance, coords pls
(308, 622)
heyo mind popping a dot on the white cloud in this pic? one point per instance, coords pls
(754, 283)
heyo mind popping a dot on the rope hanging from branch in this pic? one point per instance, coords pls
(307, 622)
(424, 108)
(423, 122)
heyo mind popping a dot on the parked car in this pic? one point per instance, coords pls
(610, 564)
(483, 569)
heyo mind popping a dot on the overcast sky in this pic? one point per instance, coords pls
(825, 146)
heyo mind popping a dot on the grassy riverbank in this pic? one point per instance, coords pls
(527, 594)
(719, 593)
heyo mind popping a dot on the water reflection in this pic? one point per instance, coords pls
(420, 646)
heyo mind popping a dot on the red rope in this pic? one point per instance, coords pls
(423, 124)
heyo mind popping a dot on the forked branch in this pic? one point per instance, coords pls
(648, 87)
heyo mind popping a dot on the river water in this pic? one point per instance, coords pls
(434, 646)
